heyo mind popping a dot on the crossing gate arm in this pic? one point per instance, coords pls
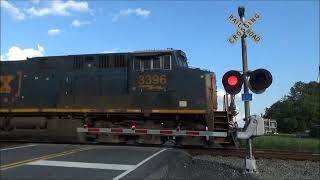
(122, 131)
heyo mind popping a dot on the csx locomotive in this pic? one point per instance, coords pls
(51, 98)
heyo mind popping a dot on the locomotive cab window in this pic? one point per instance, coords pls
(167, 62)
(152, 63)
(156, 63)
(136, 65)
(146, 64)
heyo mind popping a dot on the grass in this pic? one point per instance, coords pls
(285, 142)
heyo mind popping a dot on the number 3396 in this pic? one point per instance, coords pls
(152, 79)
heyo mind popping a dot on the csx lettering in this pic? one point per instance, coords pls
(152, 79)
(5, 84)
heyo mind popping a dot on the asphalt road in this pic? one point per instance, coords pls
(63, 161)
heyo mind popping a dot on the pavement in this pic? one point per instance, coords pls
(67, 161)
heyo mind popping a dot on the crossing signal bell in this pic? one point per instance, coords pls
(259, 80)
(232, 82)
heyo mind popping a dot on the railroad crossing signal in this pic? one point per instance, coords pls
(244, 28)
(259, 81)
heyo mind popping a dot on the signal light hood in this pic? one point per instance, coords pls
(259, 80)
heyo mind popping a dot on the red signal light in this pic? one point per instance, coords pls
(133, 125)
(232, 80)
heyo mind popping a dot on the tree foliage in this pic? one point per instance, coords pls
(299, 110)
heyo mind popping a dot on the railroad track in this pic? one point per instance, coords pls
(258, 154)
(194, 151)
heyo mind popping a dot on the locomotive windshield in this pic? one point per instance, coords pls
(182, 59)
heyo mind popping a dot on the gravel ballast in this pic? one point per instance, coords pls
(267, 168)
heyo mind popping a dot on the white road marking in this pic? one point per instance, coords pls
(82, 165)
(122, 167)
(136, 166)
(18, 147)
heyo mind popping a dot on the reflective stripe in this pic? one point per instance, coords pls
(184, 111)
(153, 132)
(166, 132)
(141, 131)
(134, 110)
(4, 110)
(115, 110)
(192, 133)
(24, 110)
(116, 130)
(93, 129)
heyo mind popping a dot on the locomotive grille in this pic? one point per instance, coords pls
(103, 62)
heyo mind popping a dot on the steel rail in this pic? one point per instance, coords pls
(258, 154)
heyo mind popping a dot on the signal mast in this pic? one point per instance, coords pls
(257, 81)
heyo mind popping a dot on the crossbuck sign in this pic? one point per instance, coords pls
(244, 28)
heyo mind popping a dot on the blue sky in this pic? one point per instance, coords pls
(289, 31)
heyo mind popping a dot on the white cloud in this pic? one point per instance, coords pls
(60, 8)
(53, 32)
(77, 23)
(17, 53)
(38, 12)
(127, 12)
(15, 12)
(221, 93)
(238, 103)
(239, 119)
(56, 7)
(138, 12)
(1, 57)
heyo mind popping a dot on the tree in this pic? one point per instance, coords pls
(299, 110)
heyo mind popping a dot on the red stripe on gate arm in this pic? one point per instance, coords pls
(166, 132)
(117, 130)
(93, 129)
(141, 131)
(192, 133)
